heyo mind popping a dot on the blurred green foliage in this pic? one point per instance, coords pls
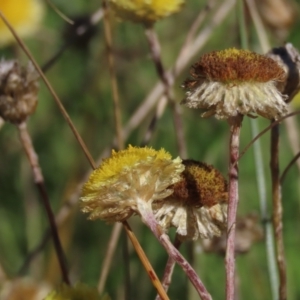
(81, 79)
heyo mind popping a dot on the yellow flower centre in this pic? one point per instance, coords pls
(125, 159)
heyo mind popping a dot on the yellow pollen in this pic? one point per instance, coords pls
(125, 159)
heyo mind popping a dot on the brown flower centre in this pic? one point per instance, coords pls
(201, 185)
(235, 66)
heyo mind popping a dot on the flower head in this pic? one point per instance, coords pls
(198, 206)
(129, 177)
(248, 232)
(24, 16)
(23, 288)
(288, 57)
(18, 91)
(231, 82)
(79, 292)
(145, 11)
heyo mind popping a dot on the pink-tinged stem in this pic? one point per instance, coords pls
(235, 128)
(149, 219)
(167, 278)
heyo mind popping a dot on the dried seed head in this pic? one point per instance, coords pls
(231, 82)
(145, 11)
(198, 205)
(248, 232)
(288, 57)
(23, 288)
(18, 91)
(113, 191)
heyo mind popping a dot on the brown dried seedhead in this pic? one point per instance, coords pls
(288, 57)
(248, 232)
(18, 91)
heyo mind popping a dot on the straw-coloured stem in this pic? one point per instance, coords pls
(277, 212)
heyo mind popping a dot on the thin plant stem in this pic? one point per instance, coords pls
(277, 212)
(113, 79)
(110, 250)
(149, 219)
(169, 268)
(167, 80)
(1, 122)
(60, 13)
(260, 174)
(233, 199)
(39, 181)
(51, 90)
(288, 167)
(274, 123)
(80, 31)
(260, 29)
(151, 273)
(75, 132)
(192, 31)
(268, 228)
(126, 260)
(292, 131)
(181, 63)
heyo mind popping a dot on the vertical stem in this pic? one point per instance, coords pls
(111, 247)
(113, 79)
(277, 212)
(39, 181)
(235, 127)
(268, 228)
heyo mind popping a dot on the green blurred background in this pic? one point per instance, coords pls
(81, 78)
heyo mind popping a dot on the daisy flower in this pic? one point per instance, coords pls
(198, 206)
(24, 15)
(80, 291)
(127, 181)
(145, 11)
(231, 82)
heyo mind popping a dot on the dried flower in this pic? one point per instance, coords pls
(198, 206)
(79, 292)
(18, 91)
(288, 57)
(145, 11)
(248, 232)
(23, 288)
(231, 82)
(24, 15)
(128, 180)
